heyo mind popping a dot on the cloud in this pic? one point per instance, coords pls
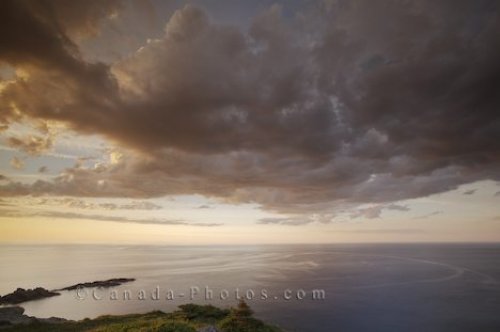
(72, 215)
(4, 203)
(83, 204)
(297, 221)
(140, 205)
(303, 115)
(35, 40)
(284, 221)
(383, 231)
(373, 212)
(40, 32)
(370, 212)
(17, 163)
(425, 216)
(33, 145)
(470, 192)
(395, 207)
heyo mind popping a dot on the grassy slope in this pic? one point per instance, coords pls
(188, 319)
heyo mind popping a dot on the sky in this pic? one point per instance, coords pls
(249, 122)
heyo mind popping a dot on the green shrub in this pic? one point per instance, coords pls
(203, 312)
(175, 327)
(240, 320)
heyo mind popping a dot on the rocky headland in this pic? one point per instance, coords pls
(102, 283)
(21, 295)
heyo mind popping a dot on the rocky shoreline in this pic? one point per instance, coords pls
(103, 284)
(21, 295)
(188, 318)
(14, 315)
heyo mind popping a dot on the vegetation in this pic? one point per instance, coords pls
(240, 320)
(204, 314)
(189, 318)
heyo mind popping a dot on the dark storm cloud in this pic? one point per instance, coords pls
(347, 102)
(35, 37)
(36, 32)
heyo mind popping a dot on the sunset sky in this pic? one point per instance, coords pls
(249, 122)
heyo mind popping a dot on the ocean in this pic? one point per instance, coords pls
(308, 288)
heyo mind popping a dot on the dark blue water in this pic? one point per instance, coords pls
(411, 287)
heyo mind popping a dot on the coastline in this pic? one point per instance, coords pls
(188, 318)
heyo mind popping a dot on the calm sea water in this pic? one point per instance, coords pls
(424, 287)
